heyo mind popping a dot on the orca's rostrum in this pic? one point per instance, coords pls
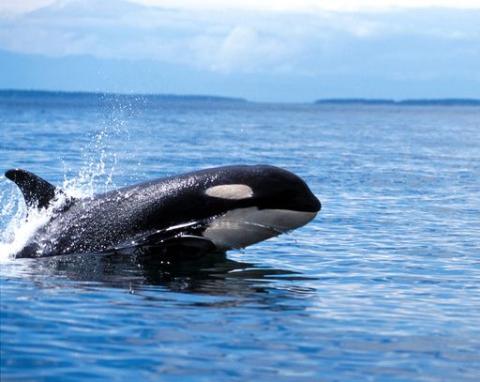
(209, 210)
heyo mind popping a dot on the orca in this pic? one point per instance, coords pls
(211, 210)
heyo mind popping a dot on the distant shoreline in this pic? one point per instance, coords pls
(52, 95)
(404, 102)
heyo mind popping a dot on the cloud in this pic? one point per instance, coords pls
(240, 48)
(271, 39)
(304, 6)
(216, 40)
(116, 29)
(12, 7)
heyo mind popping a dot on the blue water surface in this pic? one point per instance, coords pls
(384, 285)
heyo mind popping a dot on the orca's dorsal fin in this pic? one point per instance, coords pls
(36, 191)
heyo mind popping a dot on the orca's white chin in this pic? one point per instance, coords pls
(246, 226)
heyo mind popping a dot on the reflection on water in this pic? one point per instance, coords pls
(211, 274)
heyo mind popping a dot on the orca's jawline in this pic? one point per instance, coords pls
(243, 227)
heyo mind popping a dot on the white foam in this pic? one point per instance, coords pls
(23, 223)
(20, 225)
(95, 175)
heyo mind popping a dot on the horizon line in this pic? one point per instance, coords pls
(216, 97)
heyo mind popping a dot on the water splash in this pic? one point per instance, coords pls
(22, 222)
(18, 229)
(99, 159)
(96, 176)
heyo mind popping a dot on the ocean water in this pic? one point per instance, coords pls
(384, 285)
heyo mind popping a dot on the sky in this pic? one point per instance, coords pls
(284, 50)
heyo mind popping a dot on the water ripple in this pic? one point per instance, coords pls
(383, 285)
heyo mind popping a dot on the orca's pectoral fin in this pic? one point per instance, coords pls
(177, 246)
(190, 243)
(174, 242)
(36, 191)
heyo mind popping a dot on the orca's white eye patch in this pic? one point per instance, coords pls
(230, 191)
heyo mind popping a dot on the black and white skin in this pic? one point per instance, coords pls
(209, 210)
